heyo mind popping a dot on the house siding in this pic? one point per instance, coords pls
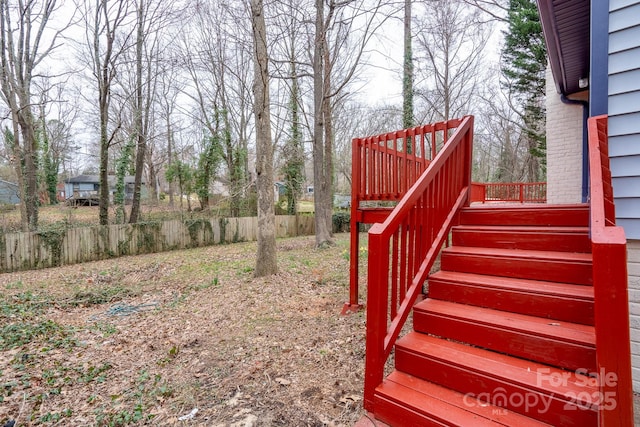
(624, 119)
(633, 269)
(9, 193)
(564, 148)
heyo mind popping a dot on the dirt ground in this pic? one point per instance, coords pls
(149, 339)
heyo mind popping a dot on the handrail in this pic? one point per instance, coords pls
(384, 168)
(521, 192)
(608, 244)
(403, 249)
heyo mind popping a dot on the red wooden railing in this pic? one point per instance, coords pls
(386, 166)
(608, 244)
(403, 248)
(384, 169)
(519, 192)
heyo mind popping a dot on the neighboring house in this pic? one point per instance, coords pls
(88, 186)
(60, 192)
(9, 193)
(594, 58)
(342, 201)
(81, 186)
(279, 190)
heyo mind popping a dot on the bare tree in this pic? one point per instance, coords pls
(452, 42)
(495, 10)
(407, 69)
(26, 39)
(152, 17)
(54, 134)
(170, 87)
(221, 89)
(107, 33)
(340, 42)
(266, 259)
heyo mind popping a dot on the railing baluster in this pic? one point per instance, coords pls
(394, 274)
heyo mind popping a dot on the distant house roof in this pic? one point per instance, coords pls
(95, 179)
(566, 29)
(83, 178)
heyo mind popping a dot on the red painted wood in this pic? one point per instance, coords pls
(383, 170)
(610, 284)
(563, 344)
(420, 222)
(541, 215)
(566, 239)
(491, 268)
(569, 401)
(519, 192)
(406, 400)
(562, 267)
(560, 301)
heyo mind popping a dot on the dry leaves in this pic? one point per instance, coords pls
(148, 339)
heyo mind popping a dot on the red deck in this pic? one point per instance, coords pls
(526, 323)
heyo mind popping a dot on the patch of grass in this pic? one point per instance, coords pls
(23, 306)
(55, 416)
(20, 324)
(53, 335)
(102, 295)
(132, 407)
(14, 285)
(122, 417)
(106, 329)
(95, 373)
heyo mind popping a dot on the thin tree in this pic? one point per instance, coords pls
(266, 258)
(23, 48)
(293, 150)
(452, 41)
(221, 89)
(524, 59)
(339, 45)
(407, 77)
(104, 23)
(150, 18)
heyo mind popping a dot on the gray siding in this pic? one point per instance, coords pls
(624, 112)
(9, 193)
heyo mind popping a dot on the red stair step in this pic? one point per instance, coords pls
(563, 344)
(562, 267)
(555, 396)
(560, 301)
(555, 215)
(566, 239)
(405, 400)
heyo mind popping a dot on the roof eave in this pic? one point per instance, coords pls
(554, 52)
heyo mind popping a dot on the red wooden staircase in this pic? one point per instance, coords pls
(525, 323)
(495, 338)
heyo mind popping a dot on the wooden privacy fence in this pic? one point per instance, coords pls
(41, 249)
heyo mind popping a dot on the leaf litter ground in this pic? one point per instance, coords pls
(146, 340)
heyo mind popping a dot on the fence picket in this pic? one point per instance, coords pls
(33, 250)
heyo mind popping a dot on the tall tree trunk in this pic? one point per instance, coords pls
(407, 78)
(322, 211)
(327, 113)
(170, 157)
(25, 120)
(17, 153)
(141, 147)
(266, 259)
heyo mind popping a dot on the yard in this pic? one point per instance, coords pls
(150, 339)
